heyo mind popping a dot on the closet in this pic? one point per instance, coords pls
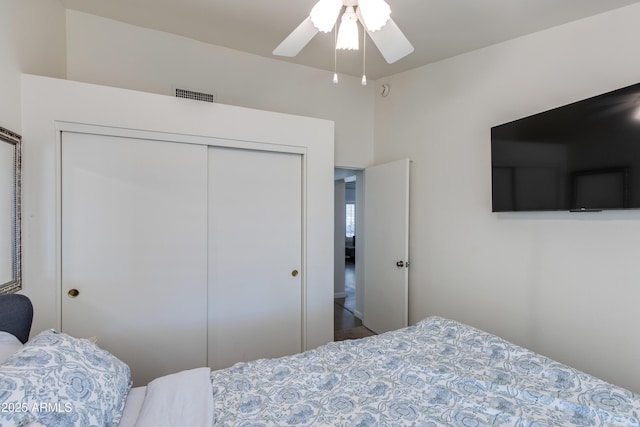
(177, 255)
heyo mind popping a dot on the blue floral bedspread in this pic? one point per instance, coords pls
(435, 373)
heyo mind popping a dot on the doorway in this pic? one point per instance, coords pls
(348, 283)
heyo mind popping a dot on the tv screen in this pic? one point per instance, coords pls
(580, 157)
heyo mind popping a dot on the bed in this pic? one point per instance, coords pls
(437, 372)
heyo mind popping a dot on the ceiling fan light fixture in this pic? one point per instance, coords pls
(348, 32)
(375, 13)
(325, 13)
(391, 42)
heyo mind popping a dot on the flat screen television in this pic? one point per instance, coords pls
(581, 157)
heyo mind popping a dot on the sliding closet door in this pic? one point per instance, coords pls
(255, 223)
(134, 215)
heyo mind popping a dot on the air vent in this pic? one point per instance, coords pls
(198, 96)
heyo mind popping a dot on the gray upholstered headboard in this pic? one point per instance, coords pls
(16, 315)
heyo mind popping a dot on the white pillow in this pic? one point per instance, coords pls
(9, 344)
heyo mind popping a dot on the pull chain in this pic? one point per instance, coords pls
(364, 56)
(335, 54)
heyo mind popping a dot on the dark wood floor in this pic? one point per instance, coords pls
(346, 324)
(343, 318)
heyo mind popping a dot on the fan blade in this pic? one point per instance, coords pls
(389, 40)
(297, 40)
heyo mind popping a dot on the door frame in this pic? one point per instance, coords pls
(360, 237)
(63, 126)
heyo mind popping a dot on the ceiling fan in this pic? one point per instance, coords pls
(373, 15)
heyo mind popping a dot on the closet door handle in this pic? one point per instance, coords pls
(294, 273)
(73, 293)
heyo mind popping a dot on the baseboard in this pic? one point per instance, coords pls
(339, 295)
(358, 314)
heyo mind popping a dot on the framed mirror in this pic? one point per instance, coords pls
(10, 214)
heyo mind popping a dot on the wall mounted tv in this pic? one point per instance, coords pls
(581, 157)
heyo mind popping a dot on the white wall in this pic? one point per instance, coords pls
(32, 40)
(565, 285)
(112, 53)
(47, 101)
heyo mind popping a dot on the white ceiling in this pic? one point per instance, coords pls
(437, 29)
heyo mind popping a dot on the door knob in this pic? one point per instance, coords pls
(400, 264)
(294, 273)
(73, 293)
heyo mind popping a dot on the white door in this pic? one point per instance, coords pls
(255, 255)
(134, 243)
(386, 251)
